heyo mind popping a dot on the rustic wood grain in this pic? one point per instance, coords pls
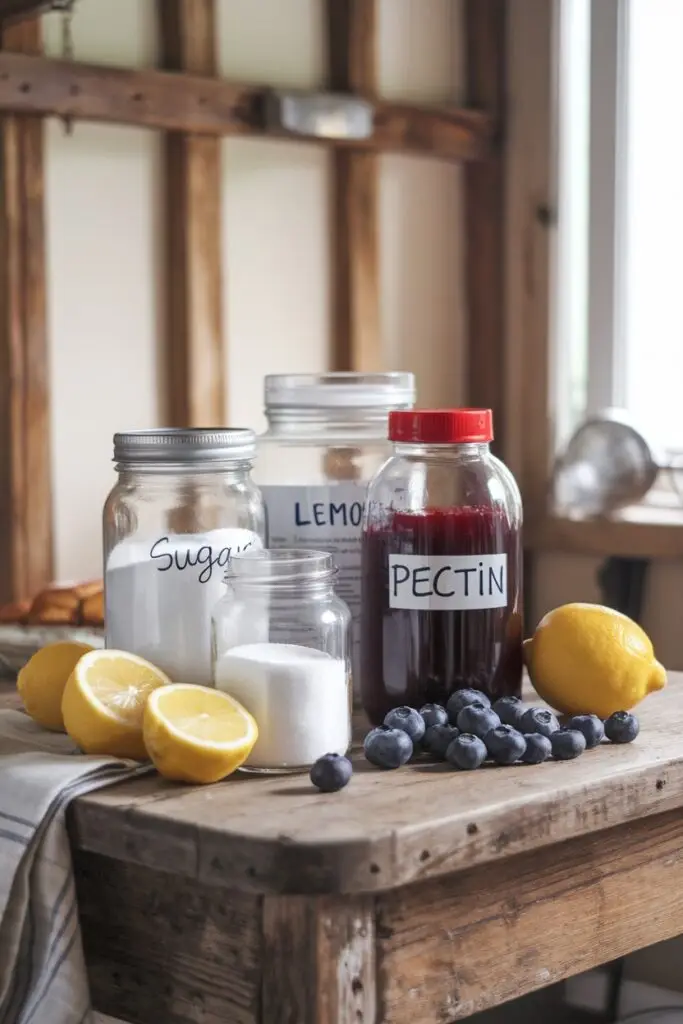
(275, 835)
(449, 948)
(25, 474)
(319, 961)
(167, 949)
(530, 226)
(356, 332)
(485, 215)
(193, 223)
(191, 103)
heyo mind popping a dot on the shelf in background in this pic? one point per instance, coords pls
(643, 531)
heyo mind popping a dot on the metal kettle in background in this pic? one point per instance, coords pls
(606, 465)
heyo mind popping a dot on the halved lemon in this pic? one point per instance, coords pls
(104, 701)
(42, 680)
(195, 734)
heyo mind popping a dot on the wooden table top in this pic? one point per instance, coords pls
(276, 834)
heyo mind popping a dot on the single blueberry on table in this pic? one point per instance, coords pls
(567, 744)
(387, 748)
(505, 744)
(408, 720)
(460, 699)
(331, 772)
(538, 748)
(621, 727)
(592, 728)
(477, 719)
(466, 752)
(539, 720)
(434, 714)
(510, 710)
(437, 739)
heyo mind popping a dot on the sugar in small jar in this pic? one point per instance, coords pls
(441, 592)
(281, 648)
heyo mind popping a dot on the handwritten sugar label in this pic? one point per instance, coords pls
(443, 583)
(168, 553)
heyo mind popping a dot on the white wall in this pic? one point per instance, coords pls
(103, 220)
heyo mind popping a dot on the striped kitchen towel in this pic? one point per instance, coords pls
(42, 970)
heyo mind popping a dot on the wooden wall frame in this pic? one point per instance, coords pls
(26, 555)
(186, 99)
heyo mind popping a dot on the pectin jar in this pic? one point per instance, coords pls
(326, 437)
(184, 503)
(441, 565)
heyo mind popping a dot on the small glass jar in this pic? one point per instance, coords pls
(326, 437)
(280, 647)
(184, 503)
(441, 566)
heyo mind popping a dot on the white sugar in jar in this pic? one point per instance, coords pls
(280, 647)
(183, 505)
(299, 698)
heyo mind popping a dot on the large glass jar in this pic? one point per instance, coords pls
(441, 565)
(280, 647)
(184, 503)
(326, 437)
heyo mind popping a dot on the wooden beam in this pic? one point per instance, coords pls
(530, 228)
(21, 10)
(194, 286)
(212, 106)
(485, 215)
(356, 333)
(25, 484)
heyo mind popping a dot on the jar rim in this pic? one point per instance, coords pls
(283, 565)
(345, 389)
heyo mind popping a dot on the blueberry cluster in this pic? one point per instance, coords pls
(469, 731)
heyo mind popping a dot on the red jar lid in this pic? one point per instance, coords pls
(441, 426)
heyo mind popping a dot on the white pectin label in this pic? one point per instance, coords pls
(448, 583)
(325, 518)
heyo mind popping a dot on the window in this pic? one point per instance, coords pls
(619, 309)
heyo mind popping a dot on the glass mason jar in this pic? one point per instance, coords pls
(280, 647)
(184, 503)
(441, 566)
(326, 437)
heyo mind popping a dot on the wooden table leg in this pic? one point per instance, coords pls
(319, 960)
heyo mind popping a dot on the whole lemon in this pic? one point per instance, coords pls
(42, 680)
(587, 659)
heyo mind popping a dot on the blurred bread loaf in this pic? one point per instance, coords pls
(72, 604)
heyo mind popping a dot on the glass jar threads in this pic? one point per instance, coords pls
(441, 565)
(184, 503)
(280, 647)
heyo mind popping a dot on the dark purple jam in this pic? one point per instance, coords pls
(420, 655)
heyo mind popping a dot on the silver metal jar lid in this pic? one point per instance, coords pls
(187, 447)
(342, 390)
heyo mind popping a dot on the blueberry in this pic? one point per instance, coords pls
(461, 699)
(622, 727)
(505, 744)
(406, 719)
(466, 752)
(434, 714)
(592, 728)
(331, 772)
(388, 748)
(538, 748)
(567, 743)
(437, 739)
(510, 710)
(539, 720)
(478, 719)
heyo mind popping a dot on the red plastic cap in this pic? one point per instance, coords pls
(441, 426)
